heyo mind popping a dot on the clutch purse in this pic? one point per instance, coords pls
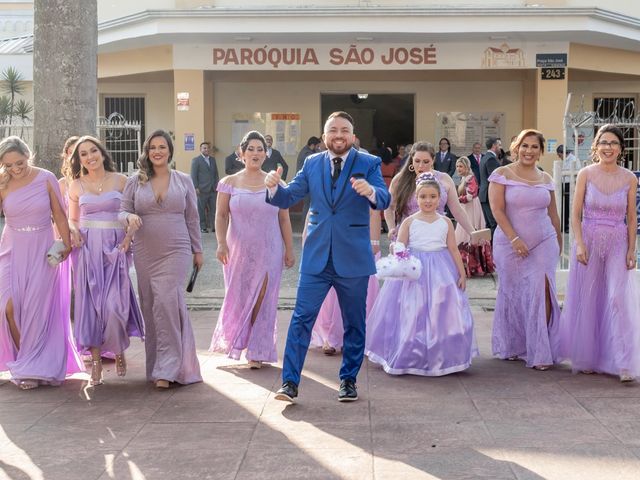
(192, 280)
(54, 254)
(399, 265)
(480, 236)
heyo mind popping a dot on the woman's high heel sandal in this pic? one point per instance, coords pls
(28, 384)
(162, 384)
(121, 365)
(96, 372)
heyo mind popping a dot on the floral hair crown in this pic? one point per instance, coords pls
(426, 177)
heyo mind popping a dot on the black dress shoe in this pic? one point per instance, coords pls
(348, 391)
(204, 230)
(288, 392)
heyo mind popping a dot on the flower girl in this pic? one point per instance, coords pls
(424, 326)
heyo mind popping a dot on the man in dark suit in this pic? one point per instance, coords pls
(274, 158)
(488, 164)
(232, 164)
(474, 159)
(204, 174)
(445, 161)
(344, 185)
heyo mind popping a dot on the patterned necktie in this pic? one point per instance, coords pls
(337, 168)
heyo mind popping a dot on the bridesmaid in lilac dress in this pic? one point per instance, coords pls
(403, 190)
(599, 329)
(159, 205)
(106, 311)
(254, 239)
(65, 268)
(527, 246)
(35, 339)
(328, 331)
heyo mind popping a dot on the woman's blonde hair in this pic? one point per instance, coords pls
(465, 162)
(8, 145)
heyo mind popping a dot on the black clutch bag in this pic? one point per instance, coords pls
(192, 280)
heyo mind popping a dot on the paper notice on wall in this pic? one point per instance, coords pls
(463, 129)
(285, 129)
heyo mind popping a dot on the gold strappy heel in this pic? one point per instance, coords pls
(121, 365)
(96, 373)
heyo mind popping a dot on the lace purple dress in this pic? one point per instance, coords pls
(520, 321)
(46, 350)
(106, 311)
(163, 251)
(599, 328)
(256, 253)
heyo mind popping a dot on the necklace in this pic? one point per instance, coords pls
(99, 185)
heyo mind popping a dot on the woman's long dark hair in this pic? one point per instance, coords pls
(75, 167)
(145, 167)
(405, 181)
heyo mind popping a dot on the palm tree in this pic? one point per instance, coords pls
(22, 110)
(12, 84)
(5, 111)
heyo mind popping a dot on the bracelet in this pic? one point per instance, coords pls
(375, 242)
(515, 238)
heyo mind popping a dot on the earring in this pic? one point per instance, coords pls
(411, 168)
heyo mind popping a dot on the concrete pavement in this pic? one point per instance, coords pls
(498, 420)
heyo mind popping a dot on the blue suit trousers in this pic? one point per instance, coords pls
(312, 290)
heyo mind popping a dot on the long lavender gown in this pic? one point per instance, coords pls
(599, 327)
(106, 310)
(423, 327)
(520, 321)
(46, 351)
(255, 255)
(64, 270)
(162, 254)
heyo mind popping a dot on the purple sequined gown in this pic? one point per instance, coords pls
(424, 326)
(106, 311)
(600, 323)
(46, 349)
(520, 321)
(163, 251)
(256, 253)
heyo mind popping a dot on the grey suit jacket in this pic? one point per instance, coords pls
(205, 178)
(488, 163)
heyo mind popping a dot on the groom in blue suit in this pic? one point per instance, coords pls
(343, 184)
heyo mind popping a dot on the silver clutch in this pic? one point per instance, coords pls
(54, 255)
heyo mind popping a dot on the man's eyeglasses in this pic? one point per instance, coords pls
(608, 144)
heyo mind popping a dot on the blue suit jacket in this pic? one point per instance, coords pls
(339, 217)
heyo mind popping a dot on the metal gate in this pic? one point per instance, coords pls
(122, 139)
